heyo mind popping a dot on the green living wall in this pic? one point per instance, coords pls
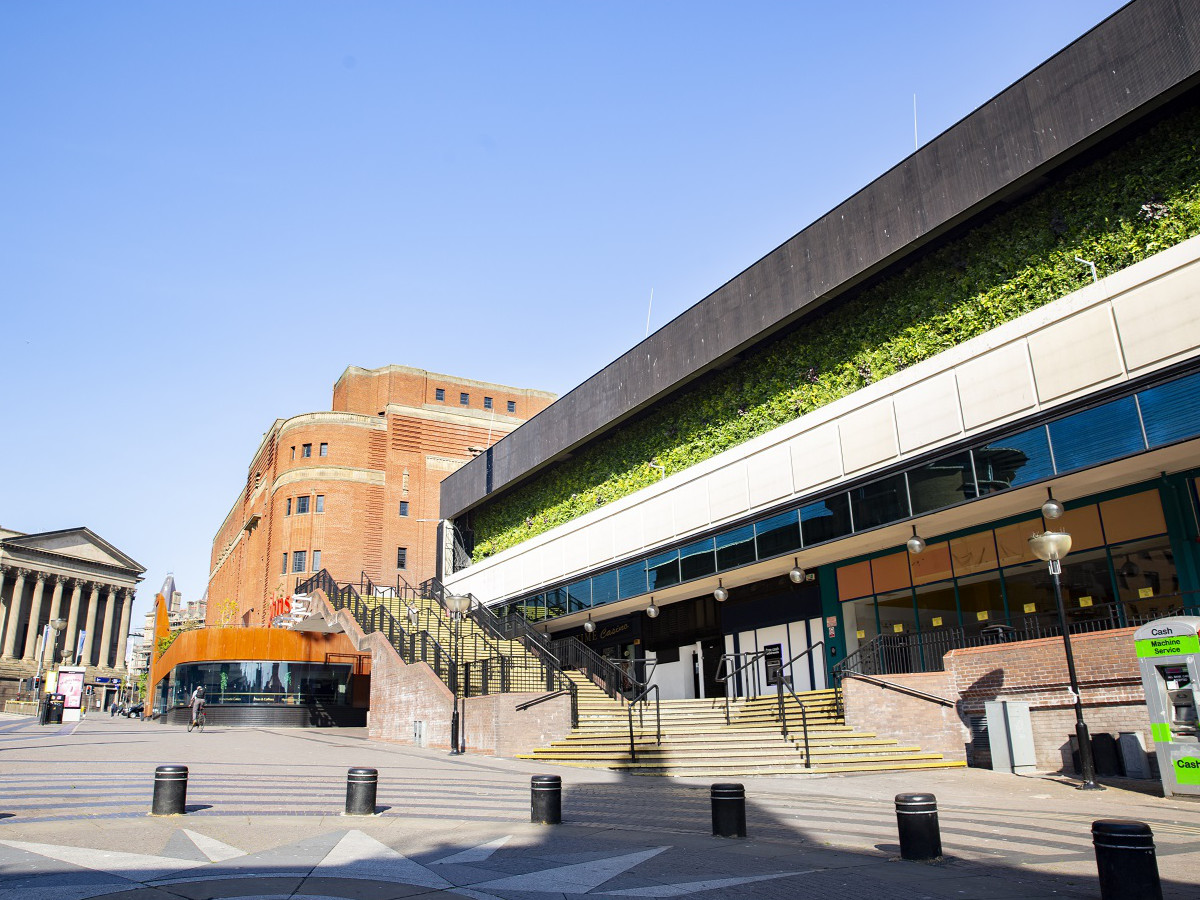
(1139, 199)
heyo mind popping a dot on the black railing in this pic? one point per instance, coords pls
(782, 683)
(729, 673)
(925, 651)
(638, 704)
(615, 681)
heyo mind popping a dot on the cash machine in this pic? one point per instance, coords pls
(1168, 652)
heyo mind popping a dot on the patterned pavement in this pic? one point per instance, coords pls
(264, 820)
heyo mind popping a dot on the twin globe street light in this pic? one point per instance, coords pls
(458, 605)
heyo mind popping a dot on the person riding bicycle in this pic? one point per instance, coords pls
(197, 703)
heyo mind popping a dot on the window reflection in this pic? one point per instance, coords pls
(1013, 461)
(261, 682)
(825, 520)
(942, 483)
(879, 502)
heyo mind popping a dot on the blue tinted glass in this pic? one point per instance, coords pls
(1096, 435)
(697, 560)
(735, 548)
(880, 502)
(1171, 412)
(941, 483)
(778, 535)
(556, 602)
(663, 570)
(579, 595)
(1013, 461)
(631, 579)
(825, 520)
(534, 608)
(604, 588)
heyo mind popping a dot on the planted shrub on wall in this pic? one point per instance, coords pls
(1129, 205)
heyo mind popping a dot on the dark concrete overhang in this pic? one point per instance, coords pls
(1125, 68)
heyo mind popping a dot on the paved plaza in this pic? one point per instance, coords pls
(264, 821)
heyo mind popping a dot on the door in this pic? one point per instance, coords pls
(711, 651)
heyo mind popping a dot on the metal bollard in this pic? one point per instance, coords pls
(361, 787)
(545, 800)
(170, 791)
(917, 822)
(728, 810)
(1125, 860)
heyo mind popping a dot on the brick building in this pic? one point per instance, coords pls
(354, 490)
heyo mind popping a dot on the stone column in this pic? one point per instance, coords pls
(106, 634)
(35, 613)
(85, 658)
(55, 612)
(3, 604)
(14, 615)
(71, 635)
(123, 634)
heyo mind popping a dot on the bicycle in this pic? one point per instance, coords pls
(198, 723)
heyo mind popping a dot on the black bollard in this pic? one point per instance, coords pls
(361, 786)
(917, 821)
(545, 800)
(728, 810)
(170, 791)
(1125, 860)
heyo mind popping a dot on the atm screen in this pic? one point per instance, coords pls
(1176, 677)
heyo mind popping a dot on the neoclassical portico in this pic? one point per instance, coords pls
(73, 577)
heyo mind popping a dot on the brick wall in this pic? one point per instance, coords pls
(910, 720)
(1031, 671)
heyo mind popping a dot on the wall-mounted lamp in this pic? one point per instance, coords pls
(652, 610)
(916, 543)
(720, 594)
(797, 574)
(1052, 509)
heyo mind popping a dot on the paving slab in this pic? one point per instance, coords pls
(265, 820)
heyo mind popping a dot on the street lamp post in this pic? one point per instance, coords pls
(1051, 547)
(458, 605)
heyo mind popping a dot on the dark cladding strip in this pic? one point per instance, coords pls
(1124, 68)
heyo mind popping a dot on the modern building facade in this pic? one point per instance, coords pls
(1009, 311)
(73, 577)
(354, 490)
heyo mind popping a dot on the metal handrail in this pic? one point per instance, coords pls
(601, 671)
(641, 699)
(781, 684)
(542, 699)
(725, 679)
(912, 692)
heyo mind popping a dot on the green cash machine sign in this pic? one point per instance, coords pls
(1187, 770)
(1174, 645)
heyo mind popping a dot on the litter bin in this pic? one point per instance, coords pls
(54, 708)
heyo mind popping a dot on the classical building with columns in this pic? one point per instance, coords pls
(72, 575)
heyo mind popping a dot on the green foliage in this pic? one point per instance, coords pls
(1138, 200)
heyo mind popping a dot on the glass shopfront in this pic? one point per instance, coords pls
(1120, 571)
(259, 683)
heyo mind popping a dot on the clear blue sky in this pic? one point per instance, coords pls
(209, 210)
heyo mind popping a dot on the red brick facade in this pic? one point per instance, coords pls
(1031, 671)
(334, 483)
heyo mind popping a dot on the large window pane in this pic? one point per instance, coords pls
(697, 560)
(1135, 516)
(937, 613)
(932, 564)
(942, 483)
(891, 572)
(854, 580)
(981, 602)
(579, 595)
(825, 520)
(973, 553)
(778, 535)
(1096, 435)
(735, 548)
(1012, 541)
(663, 570)
(858, 617)
(1147, 582)
(900, 649)
(1013, 461)
(1171, 412)
(556, 602)
(879, 502)
(604, 588)
(631, 579)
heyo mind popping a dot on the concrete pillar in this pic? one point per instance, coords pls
(71, 635)
(14, 615)
(106, 633)
(35, 614)
(85, 657)
(123, 634)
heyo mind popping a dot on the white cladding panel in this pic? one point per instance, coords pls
(868, 436)
(599, 539)
(996, 385)
(816, 458)
(576, 547)
(1075, 353)
(691, 506)
(627, 531)
(927, 413)
(727, 493)
(1162, 322)
(658, 516)
(770, 475)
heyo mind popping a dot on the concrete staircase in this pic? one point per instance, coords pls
(696, 740)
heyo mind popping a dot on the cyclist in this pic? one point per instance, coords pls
(197, 703)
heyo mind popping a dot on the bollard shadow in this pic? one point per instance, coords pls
(197, 807)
